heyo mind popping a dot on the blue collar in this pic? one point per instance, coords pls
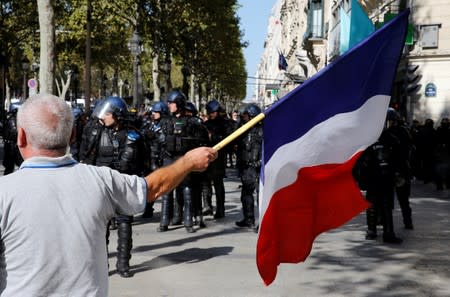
(48, 162)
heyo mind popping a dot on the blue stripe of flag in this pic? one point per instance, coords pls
(366, 70)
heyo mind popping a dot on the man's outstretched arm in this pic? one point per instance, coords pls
(166, 178)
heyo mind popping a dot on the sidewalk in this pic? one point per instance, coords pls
(220, 259)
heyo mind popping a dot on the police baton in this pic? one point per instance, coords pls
(239, 132)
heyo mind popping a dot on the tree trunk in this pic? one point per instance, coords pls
(62, 90)
(47, 54)
(155, 77)
(87, 66)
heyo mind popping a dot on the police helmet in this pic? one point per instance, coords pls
(392, 115)
(14, 107)
(112, 104)
(160, 107)
(178, 98)
(76, 112)
(252, 110)
(191, 107)
(212, 106)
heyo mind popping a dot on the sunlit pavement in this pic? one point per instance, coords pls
(220, 259)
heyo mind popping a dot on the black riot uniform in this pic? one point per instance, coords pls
(154, 139)
(404, 174)
(198, 179)
(249, 164)
(79, 120)
(11, 157)
(182, 133)
(379, 169)
(116, 147)
(218, 128)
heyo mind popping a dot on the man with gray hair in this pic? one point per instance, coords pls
(54, 210)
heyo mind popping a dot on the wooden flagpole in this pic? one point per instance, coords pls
(239, 131)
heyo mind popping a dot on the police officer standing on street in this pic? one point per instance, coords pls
(108, 142)
(154, 138)
(404, 175)
(198, 178)
(249, 164)
(182, 133)
(11, 154)
(381, 167)
(218, 128)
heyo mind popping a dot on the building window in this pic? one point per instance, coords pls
(315, 19)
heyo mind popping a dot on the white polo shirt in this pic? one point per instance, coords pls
(53, 218)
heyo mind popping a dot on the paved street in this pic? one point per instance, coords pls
(220, 260)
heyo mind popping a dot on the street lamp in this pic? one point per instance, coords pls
(134, 45)
(25, 66)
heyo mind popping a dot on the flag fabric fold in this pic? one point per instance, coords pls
(312, 138)
(354, 27)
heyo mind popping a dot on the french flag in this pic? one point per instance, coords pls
(312, 138)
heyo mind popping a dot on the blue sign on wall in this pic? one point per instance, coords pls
(430, 90)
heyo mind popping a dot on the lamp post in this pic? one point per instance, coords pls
(134, 45)
(25, 66)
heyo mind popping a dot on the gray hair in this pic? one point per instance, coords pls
(47, 121)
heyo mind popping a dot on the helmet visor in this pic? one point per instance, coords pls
(103, 108)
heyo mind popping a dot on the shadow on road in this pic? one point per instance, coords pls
(191, 255)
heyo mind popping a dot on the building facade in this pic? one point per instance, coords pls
(306, 33)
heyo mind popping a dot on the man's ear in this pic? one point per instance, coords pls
(21, 137)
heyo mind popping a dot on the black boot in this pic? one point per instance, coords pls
(177, 209)
(220, 199)
(124, 244)
(371, 217)
(246, 223)
(187, 211)
(165, 213)
(388, 227)
(207, 198)
(248, 211)
(148, 212)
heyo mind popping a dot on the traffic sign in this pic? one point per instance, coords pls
(32, 83)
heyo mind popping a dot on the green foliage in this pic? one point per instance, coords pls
(200, 36)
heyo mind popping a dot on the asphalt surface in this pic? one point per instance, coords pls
(219, 260)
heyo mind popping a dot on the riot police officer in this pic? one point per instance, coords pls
(198, 178)
(154, 139)
(78, 123)
(249, 164)
(404, 174)
(108, 142)
(380, 168)
(218, 128)
(182, 133)
(11, 156)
